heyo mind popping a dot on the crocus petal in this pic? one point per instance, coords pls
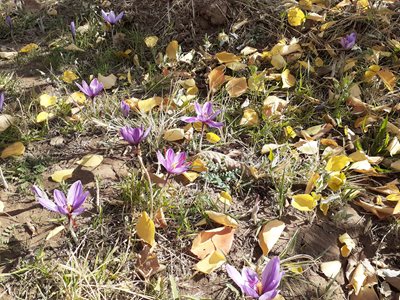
(105, 15)
(269, 295)
(146, 133)
(271, 276)
(111, 17)
(119, 17)
(170, 156)
(43, 199)
(250, 278)
(198, 108)
(189, 119)
(1, 101)
(78, 211)
(214, 124)
(249, 291)
(161, 158)
(207, 109)
(81, 88)
(235, 276)
(178, 170)
(96, 87)
(61, 202)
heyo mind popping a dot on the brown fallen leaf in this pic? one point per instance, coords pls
(270, 234)
(147, 262)
(208, 241)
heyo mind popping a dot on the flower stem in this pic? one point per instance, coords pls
(201, 137)
(72, 231)
(139, 154)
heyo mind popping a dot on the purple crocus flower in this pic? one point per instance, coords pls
(134, 136)
(70, 206)
(125, 108)
(205, 115)
(2, 98)
(110, 17)
(91, 90)
(348, 41)
(250, 284)
(9, 22)
(73, 30)
(174, 163)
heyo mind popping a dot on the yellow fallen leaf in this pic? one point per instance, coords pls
(225, 198)
(146, 229)
(175, 134)
(336, 180)
(388, 79)
(331, 268)
(69, 76)
(77, 98)
(349, 244)
(304, 202)
(337, 163)
(198, 165)
(90, 160)
(222, 219)
(151, 41)
(289, 132)
(362, 4)
(212, 138)
(288, 80)
(358, 278)
(250, 118)
(43, 116)
(296, 17)
(216, 78)
(107, 81)
(47, 100)
(62, 175)
(236, 86)
(278, 62)
(211, 262)
(371, 72)
(327, 25)
(28, 48)
(270, 234)
(236, 66)
(191, 176)
(226, 57)
(54, 232)
(15, 149)
(148, 104)
(172, 50)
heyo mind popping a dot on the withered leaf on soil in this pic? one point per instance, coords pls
(210, 240)
(270, 234)
(147, 262)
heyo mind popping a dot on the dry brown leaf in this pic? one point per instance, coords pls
(159, 219)
(216, 78)
(210, 240)
(388, 79)
(379, 211)
(227, 57)
(175, 134)
(147, 262)
(236, 87)
(15, 149)
(6, 121)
